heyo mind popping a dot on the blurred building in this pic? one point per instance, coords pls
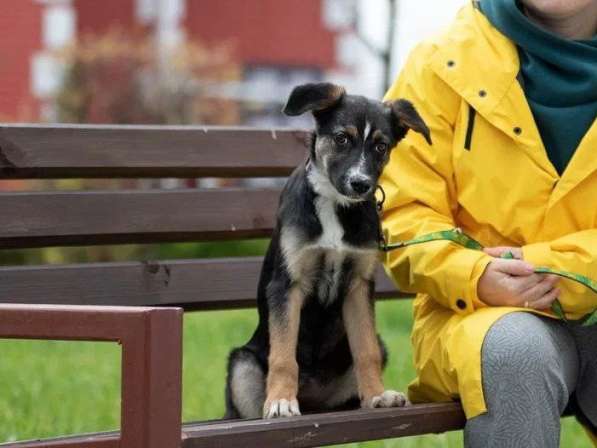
(17, 47)
(277, 43)
(29, 31)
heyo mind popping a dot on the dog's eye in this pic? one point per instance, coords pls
(341, 139)
(381, 148)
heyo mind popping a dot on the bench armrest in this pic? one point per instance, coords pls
(151, 340)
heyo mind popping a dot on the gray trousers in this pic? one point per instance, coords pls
(533, 369)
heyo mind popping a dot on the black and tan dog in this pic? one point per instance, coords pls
(316, 342)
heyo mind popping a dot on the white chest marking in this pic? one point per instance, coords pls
(331, 237)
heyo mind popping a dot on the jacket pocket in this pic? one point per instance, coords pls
(472, 113)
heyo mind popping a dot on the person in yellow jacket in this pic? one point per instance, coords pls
(509, 92)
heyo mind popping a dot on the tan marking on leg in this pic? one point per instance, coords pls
(282, 378)
(364, 346)
(360, 328)
(365, 264)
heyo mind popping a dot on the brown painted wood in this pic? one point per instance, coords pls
(297, 432)
(152, 381)
(206, 284)
(87, 218)
(327, 429)
(73, 151)
(151, 340)
(85, 441)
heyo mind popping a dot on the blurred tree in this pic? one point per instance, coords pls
(118, 79)
(384, 54)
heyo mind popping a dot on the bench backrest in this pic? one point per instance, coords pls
(152, 338)
(63, 218)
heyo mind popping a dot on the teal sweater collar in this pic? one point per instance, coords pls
(559, 78)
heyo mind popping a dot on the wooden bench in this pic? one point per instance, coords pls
(140, 304)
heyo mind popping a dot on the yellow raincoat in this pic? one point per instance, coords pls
(487, 173)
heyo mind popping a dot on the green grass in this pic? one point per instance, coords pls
(54, 388)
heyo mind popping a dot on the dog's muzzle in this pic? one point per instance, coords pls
(360, 185)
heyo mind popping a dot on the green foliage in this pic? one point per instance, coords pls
(171, 251)
(245, 248)
(54, 388)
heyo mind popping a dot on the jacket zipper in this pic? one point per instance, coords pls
(469, 128)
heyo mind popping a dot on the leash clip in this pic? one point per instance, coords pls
(379, 204)
(382, 241)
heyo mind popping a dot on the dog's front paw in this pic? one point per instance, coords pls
(281, 408)
(388, 399)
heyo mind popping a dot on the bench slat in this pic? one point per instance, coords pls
(327, 429)
(223, 283)
(73, 151)
(298, 432)
(98, 440)
(120, 217)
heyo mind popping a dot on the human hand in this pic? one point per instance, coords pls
(514, 283)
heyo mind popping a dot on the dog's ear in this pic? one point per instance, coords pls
(409, 118)
(313, 97)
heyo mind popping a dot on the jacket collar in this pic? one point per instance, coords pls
(582, 165)
(481, 65)
(467, 60)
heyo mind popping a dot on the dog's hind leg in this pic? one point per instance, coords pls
(342, 392)
(245, 386)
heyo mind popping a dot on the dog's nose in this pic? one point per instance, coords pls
(360, 186)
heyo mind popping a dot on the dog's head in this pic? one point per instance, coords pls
(353, 136)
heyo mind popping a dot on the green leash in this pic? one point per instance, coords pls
(458, 237)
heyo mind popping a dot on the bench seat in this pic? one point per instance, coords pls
(296, 432)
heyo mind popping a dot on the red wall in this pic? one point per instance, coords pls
(20, 37)
(274, 32)
(278, 32)
(100, 16)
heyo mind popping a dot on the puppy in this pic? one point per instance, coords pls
(316, 344)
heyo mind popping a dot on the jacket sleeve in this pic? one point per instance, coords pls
(576, 253)
(421, 196)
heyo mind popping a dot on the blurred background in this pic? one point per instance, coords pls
(206, 62)
(197, 61)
